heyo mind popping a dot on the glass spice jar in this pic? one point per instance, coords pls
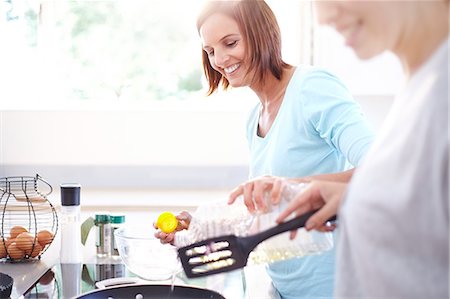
(117, 221)
(103, 234)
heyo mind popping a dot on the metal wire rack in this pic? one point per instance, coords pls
(28, 220)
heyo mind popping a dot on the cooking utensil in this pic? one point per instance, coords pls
(151, 291)
(226, 253)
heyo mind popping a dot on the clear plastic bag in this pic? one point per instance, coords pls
(218, 219)
(281, 247)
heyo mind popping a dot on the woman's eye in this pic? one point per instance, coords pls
(231, 44)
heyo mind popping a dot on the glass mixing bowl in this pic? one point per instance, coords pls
(144, 255)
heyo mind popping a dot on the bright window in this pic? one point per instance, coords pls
(100, 50)
(59, 54)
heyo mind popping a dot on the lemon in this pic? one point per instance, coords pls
(167, 222)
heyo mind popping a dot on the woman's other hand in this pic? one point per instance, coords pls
(324, 196)
(184, 219)
(253, 192)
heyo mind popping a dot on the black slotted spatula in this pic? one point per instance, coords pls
(227, 253)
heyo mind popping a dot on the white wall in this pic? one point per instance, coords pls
(123, 138)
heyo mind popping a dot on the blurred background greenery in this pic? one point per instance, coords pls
(114, 50)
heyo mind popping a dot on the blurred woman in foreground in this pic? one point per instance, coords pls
(394, 217)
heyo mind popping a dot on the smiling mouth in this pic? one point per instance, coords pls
(231, 69)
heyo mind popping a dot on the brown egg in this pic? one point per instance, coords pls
(17, 230)
(36, 250)
(25, 241)
(45, 237)
(14, 252)
(47, 278)
(2, 249)
(9, 241)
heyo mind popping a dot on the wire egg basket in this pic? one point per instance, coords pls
(28, 220)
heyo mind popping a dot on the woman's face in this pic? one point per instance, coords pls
(369, 27)
(223, 42)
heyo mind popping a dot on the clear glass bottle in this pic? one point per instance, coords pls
(219, 218)
(103, 234)
(117, 221)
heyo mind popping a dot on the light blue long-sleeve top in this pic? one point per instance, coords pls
(319, 129)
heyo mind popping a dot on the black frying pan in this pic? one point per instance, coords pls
(151, 291)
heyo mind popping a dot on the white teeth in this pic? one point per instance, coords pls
(232, 68)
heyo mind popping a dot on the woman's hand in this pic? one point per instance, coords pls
(184, 219)
(323, 195)
(254, 191)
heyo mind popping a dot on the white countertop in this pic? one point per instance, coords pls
(141, 207)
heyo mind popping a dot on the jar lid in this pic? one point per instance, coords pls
(6, 284)
(117, 218)
(102, 218)
(167, 222)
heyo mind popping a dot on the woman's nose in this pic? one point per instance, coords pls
(221, 58)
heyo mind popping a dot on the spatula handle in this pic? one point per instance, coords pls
(252, 241)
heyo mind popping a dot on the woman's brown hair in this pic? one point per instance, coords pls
(261, 34)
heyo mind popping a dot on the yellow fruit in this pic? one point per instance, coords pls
(167, 222)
